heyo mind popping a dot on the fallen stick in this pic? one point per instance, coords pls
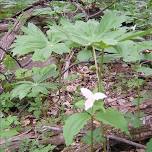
(57, 139)
(113, 137)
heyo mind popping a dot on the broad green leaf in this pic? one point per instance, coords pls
(22, 73)
(149, 146)
(9, 62)
(8, 133)
(84, 55)
(97, 136)
(21, 91)
(114, 118)
(32, 40)
(73, 125)
(111, 20)
(128, 50)
(54, 35)
(48, 85)
(134, 35)
(39, 89)
(79, 104)
(110, 38)
(60, 48)
(98, 105)
(31, 89)
(41, 74)
(144, 45)
(147, 56)
(42, 54)
(83, 33)
(103, 34)
(146, 70)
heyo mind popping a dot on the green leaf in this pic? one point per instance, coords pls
(84, 55)
(60, 48)
(97, 136)
(111, 20)
(146, 70)
(134, 35)
(114, 118)
(73, 125)
(38, 88)
(98, 105)
(8, 133)
(149, 146)
(21, 91)
(35, 41)
(41, 74)
(134, 119)
(79, 104)
(128, 50)
(43, 54)
(9, 62)
(32, 40)
(31, 89)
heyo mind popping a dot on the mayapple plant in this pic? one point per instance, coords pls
(91, 36)
(93, 111)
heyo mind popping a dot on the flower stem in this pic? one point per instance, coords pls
(104, 142)
(101, 71)
(92, 149)
(96, 65)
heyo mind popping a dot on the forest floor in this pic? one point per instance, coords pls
(119, 81)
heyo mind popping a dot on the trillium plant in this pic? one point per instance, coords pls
(94, 109)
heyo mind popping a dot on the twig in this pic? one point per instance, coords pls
(45, 128)
(126, 141)
(81, 9)
(40, 2)
(72, 65)
(101, 11)
(8, 53)
(67, 64)
(20, 65)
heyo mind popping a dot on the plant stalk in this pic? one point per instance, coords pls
(101, 71)
(104, 142)
(138, 101)
(96, 65)
(92, 149)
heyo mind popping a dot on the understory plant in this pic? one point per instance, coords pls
(101, 41)
(94, 110)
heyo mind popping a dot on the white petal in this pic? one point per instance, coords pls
(89, 103)
(87, 93)
(99, 95)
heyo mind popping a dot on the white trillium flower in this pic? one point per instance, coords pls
(91, 98)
